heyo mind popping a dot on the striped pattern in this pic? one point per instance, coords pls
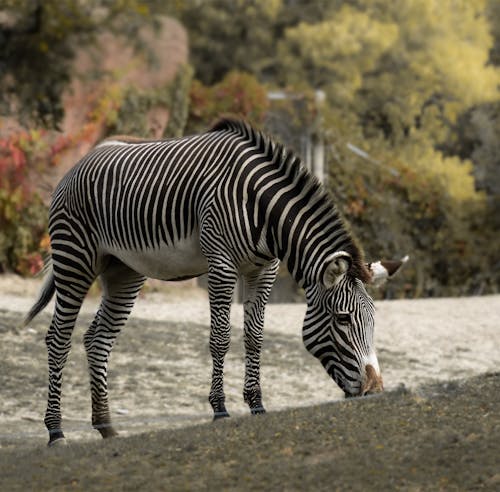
(228, 202)
(347, 347)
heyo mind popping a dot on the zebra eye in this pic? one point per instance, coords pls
(343, 318)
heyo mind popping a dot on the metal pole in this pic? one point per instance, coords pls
(319, 147)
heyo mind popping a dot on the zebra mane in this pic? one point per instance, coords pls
(230, 123)
(239, 126)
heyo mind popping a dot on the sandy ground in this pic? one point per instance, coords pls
(159, 373)
(437, 428)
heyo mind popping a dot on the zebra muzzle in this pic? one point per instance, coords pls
(373, 382)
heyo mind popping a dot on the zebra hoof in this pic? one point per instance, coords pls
(221, 415)
(58, 442)
(107, 432)
(258, 411)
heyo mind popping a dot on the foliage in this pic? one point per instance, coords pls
(238, 93)
(133, 108)
(414, 85)
(400, 66)
(394, 205)
(477, 137)
(333, 53)
(23, 217)
(492, 12)
(39, 39)
(228, 35)
(26, 157)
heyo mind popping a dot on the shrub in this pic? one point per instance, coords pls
(421, 204)
(238, 93)
(23, 215)
(130, 117)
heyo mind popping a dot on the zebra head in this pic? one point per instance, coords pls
(339, 325)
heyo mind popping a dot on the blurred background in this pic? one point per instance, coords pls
(393, 104)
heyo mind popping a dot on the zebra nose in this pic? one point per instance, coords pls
(373, 381)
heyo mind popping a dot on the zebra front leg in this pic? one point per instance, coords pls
(221, 281)
(258, 285)
(120, 288)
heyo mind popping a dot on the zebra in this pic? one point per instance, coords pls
(229, 202)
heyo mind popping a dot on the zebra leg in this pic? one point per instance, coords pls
(69, 298)
(221, 281)
(120, 286)
(258, 288)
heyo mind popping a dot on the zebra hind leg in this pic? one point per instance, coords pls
(120, 286)
(222, 278)
(258, 288)
(69, 298)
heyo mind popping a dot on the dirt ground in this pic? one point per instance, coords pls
(444, 437)
(436, 428)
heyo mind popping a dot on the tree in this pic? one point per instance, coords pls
(400, 66)
(38, 40)
(238, 93)
(335, 53)
(399, 78)
(227, 35)
(492, 12)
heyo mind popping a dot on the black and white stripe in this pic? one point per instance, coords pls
(228, 202)
(347, 347)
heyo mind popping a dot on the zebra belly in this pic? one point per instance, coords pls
(181, 260)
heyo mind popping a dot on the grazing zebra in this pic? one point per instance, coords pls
(227, 202)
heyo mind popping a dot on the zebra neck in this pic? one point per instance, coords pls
(293, 219)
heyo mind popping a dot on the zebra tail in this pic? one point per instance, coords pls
(46, 293)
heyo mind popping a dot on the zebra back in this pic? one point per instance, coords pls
(284, 210)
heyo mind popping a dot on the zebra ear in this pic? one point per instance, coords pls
(337, 266)
(385, 269)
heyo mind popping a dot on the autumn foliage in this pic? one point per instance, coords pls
(22, 213)
(237, 93)
(26, 159)
(410, 120)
